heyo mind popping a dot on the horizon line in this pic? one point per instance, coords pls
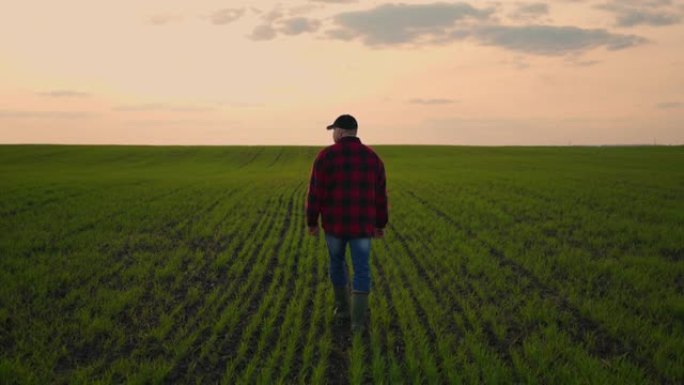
(375, 144)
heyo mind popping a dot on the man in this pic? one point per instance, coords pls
(348, 190)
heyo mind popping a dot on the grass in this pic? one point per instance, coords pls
(192, 265)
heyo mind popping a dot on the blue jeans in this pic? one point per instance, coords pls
(360, 253)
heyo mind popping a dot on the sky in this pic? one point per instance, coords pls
(554, 72)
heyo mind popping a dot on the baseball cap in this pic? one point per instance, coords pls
(345, 122)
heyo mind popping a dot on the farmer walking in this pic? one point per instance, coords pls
(348, 190)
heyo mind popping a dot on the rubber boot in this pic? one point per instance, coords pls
(341, 312)
(359, 305)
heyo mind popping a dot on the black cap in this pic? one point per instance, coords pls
(345, 122)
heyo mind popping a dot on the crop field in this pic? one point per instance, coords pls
(174, 265)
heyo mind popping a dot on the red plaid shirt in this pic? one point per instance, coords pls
(348, 189)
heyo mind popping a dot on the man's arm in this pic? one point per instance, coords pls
(381, 214)
(315, 194)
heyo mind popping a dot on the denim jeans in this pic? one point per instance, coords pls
(360, 253)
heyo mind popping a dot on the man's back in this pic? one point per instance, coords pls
(348, 189)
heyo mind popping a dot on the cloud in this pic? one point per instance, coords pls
(273, 15)
(284, 20)
(518, 62)
(530, 11)
(139, 107)
(189, 109)
(298, 25)
(32, 114)
(396, 24)
(63, 94)
(177, 122)
(335, 1)
(245, 104)
(263, 32)
(432, 102)
(654, 13)
(669, 105)
(163, 19)
(291, 27)
(401, 24)
(645, 3)
(583, 63)
(341, 34)
(161, 107)
(226, 16)
(552, 40)
(438, 23)
(304, 9)
(632, 18)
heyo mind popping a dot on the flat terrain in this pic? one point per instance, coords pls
(192, 265)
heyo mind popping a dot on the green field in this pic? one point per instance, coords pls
(192, 265)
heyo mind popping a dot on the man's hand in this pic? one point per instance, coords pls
(378, 233)
(313, 231)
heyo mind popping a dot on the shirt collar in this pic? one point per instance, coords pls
(350, 139)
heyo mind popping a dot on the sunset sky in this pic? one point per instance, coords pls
(553, 72)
